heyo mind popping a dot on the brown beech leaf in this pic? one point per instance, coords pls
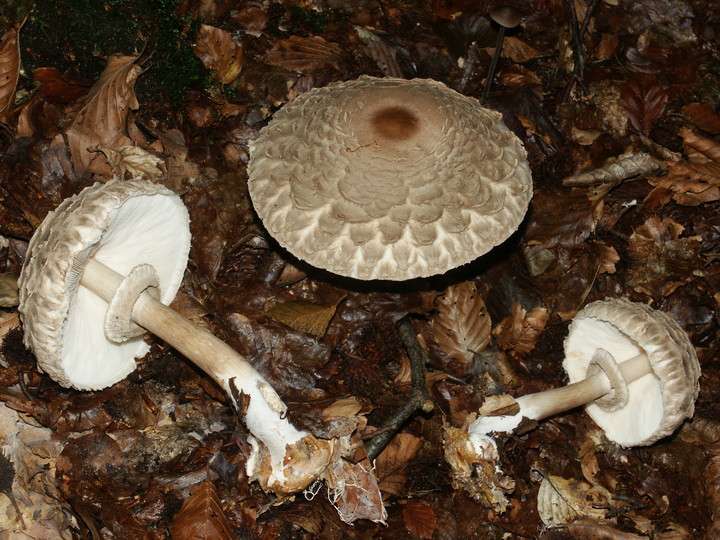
(201, 516)
(520, 330)
(218, 52)
(661, 261)
(644, 101)
(712, 488)
(391, 464)
(462, 324)
(305, 316)
(703, 145)
(9, 70)
(703, 116)
(562, 500)
(419, 519)
(305, 53)
(382, 51)
(55, 88)
(102, 121)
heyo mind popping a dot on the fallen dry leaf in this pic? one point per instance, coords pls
(660, 260)
(703, 145)
(562, 500)
(218, 52)
(201, 516)
(391, 464)
(9, 70)
(703, 116)
(419, 519)
(462, 324)
(55, 88)
(644, 100)
(305, 53)
(132, 162)
(520, 330)
(305, 316)
(102, 121)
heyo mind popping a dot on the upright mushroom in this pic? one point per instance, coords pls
(110, 259)
(506, 18)
(388, 178)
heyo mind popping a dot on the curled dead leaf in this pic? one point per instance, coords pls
(132, 162)
(102, 121)
(218, 52)
(520, 330)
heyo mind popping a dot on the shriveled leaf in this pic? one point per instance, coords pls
(562, 500)
(660, 260)
(305, 316)
(103, 119)
(201, 516)
(218, 52)
(703, 116)
(419, 519)
(520, 330)
(9, 69)
(644, 100)
(462, 324)
(392, 462)
(517, 50)
(354, 491)
(305, 53)
(132, 162)
(465, 30)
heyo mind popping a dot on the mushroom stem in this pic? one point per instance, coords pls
(265, 415)
(493, 64)
(547, 403)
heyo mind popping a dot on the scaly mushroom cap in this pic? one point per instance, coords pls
(658, 402)
(122, 224)
(388, 178)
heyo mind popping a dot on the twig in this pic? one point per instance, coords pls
(419, 399)
(578, 32)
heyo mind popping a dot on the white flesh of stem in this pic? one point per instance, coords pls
(265, 416)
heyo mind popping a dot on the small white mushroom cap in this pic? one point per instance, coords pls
(657, 402)
(388, 178)
(123, 225)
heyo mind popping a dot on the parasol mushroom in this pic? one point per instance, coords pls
(388, 178)
(634, 370)
(101, 269)
(632, 367)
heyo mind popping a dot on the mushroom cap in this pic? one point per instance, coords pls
(659, 401)
(121, 224)
(505, 16)
(388, 178)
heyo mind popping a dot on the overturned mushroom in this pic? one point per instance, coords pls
(632, 367)
(388, 178)
(99, 270)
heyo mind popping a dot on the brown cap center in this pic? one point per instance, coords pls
(395, 123)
